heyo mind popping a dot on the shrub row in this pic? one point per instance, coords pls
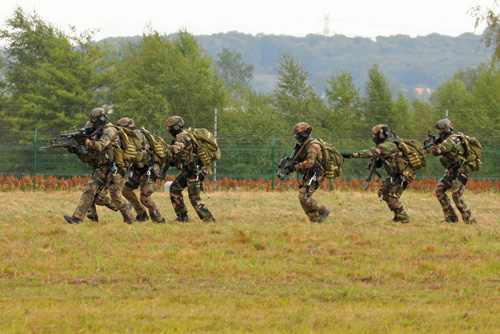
(77, 182)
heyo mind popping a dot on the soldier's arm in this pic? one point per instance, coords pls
(104, 141)
(179, 144)
(374, 152)
(448, 145)
(312, 154)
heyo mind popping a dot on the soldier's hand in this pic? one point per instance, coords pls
(289, 169)
(72, 149)
(87, 142)
(347, 155)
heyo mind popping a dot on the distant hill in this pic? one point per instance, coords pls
(408, 63)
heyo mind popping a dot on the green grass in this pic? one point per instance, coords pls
(261, 268)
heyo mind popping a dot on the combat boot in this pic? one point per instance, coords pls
(72, 220)
(94, 218)
(161, 221)
(323, 216)
(142, 217)
(404, 218)
(210, 219)
(450, 219)
(469, 218)
(182, 218)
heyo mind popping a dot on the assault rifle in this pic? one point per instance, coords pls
(69, 139)
(285, 162)
(431, 140)
(372, 166)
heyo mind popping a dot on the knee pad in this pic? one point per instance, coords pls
(462, 179)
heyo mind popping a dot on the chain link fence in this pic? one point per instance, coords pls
(245, 155)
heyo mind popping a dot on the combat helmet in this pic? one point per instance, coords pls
(302, 131)
(126, 122)
(445, 126)
(175, 125)
(98, 117)
(380, 133)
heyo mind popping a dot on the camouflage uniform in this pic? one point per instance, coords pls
(103, 176)
(191, 177)
(310, 159)
(393, 186)
(140, 179)
(101, 198)
(455, 178)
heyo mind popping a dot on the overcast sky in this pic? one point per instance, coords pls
(365, 18)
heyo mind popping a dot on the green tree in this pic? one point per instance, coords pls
(293, 94)
(194, 90)
(453, 100)
(491, 34)
(141, 84)
(54, 80)
(486, 105)
(233, 70)
(346, 103)
(401, 115)
(378, 103)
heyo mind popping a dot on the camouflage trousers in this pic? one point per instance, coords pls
(140, 179)
(391, 192)
(457, 187)
(192, 182)
(312, 208)
(101, 199)
(97, 182)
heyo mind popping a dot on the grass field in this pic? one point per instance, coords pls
(261, 268)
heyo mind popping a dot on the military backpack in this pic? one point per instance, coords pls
(332, 159)
(131, 149)
(473, 151)
(413, 152)
(158, 147)
(206, 146)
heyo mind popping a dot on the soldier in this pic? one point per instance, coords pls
(142, 177)
(308, 162)
(191, 176)
(399, 175)
(106, 174)
(457, 173)
(101, 198)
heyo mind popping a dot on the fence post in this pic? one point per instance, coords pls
(330, 187)
(34, 158)
(215, 162)
(273, 154)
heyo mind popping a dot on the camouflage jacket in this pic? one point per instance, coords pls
(311, 155)
(390, 153)
(451, 150)
(105, 146)
(182, 148)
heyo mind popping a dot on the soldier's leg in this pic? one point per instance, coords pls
(115, 189)
(393, 202)
(92, 212)
(147, 191)
(194, 191)
(103, 199)
(132, 184)
(89, 193)
(177, 199)
(449, 213)
(384, 192)
(312, 208)
(457, 195)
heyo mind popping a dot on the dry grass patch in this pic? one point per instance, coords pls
(262, 268)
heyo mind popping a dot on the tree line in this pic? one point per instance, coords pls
(50, 80)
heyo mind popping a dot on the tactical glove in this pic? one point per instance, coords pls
(347, 155)
(72, 149)
(289, 169)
